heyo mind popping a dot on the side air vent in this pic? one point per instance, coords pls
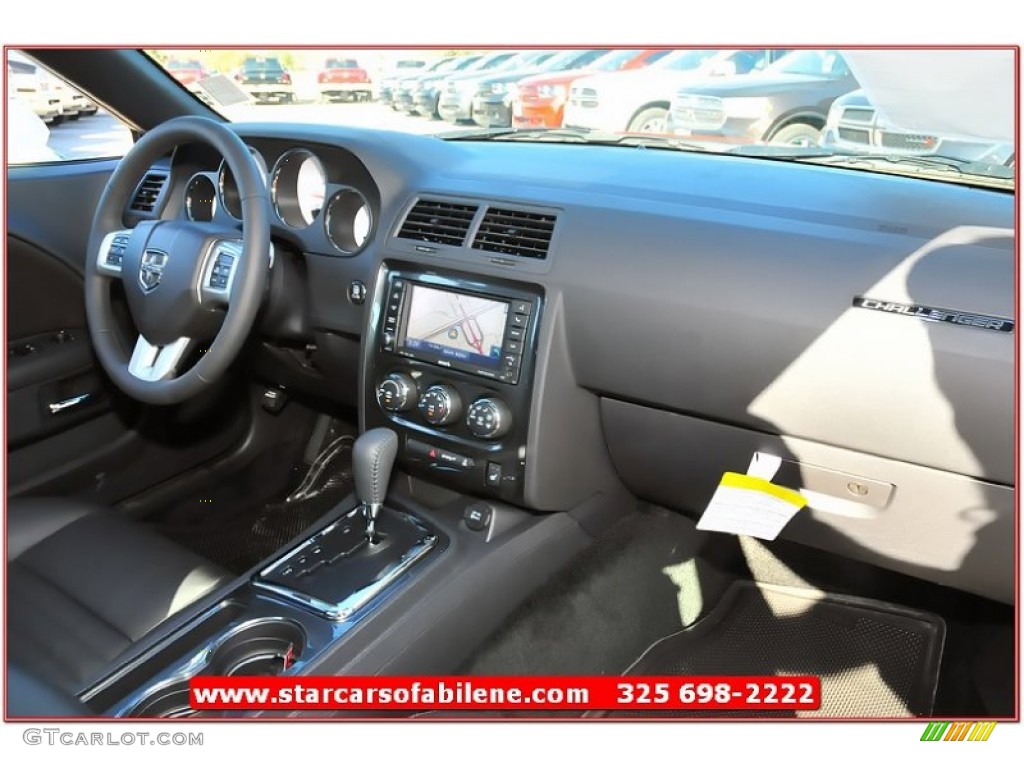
(148, 192)
(515, 233)
(438, 221)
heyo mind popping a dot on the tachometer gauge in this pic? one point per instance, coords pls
(348, 220)
(228, 187)
(298, 186)
(200, 198)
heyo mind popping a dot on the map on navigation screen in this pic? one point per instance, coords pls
(456, 326)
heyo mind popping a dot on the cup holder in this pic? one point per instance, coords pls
(264, 647)
(171, 701)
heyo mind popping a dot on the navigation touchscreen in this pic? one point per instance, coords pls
(455, 326)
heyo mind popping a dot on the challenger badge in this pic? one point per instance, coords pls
(937, 314)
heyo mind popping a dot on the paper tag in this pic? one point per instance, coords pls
(764, 465)
(751, 505)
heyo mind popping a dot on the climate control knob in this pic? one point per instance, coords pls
(441, 405)
(489, 418)
(397, 392)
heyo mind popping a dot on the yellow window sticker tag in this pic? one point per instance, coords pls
(751, 506)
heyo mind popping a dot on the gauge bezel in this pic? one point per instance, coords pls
(214, 198)
(284, 193)
(227, 196)
(354, 201)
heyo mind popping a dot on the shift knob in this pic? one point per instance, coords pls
(373, 456)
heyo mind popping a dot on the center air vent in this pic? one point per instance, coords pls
(148, 192)
(438, 221)
(516, 233)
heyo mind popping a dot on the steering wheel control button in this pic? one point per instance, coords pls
(441, 405)
(223, 266)
(493, 474)
(477, 516)
(489, 418)
(397, 393)
(357, 292)
(115, 252)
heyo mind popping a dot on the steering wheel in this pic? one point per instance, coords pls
(179, 276)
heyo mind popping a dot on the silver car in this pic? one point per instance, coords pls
(855, 125)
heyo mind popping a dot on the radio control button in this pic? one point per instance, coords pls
(522, 307)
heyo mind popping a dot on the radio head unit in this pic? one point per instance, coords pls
(475, 332)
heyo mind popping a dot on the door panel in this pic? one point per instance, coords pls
(69, 431)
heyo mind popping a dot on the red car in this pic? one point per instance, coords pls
(539, 101)
(186, 72)
(344, 80)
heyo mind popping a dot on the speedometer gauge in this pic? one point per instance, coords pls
(298, 186)
(200, 198)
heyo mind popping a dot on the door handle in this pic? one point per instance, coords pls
(70, 402)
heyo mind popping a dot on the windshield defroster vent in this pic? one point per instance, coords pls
(515, 233)
(438, 221)
(148, 193)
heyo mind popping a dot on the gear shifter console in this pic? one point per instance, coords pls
(342, 568)
(373, 456)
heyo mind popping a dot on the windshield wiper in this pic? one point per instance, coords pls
(579, 136)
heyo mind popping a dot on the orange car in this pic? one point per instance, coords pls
(539, 101)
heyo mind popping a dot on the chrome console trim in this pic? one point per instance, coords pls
(345, 609)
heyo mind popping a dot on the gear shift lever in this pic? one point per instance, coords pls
(373, 456)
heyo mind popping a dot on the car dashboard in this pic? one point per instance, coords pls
(616, 316)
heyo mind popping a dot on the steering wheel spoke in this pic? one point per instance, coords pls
(152, 362)
(111, 253)
(219, 267)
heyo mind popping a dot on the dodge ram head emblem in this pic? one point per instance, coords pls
(151, 270)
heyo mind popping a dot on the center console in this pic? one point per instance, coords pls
(449, 367)
(393, 585)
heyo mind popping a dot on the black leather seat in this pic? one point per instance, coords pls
(84, 585)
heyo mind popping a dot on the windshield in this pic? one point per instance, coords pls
(815, 63)
(614, 60)
(863, 110)
(683, 60)
(573, 59)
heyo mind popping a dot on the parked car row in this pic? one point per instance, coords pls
(50, 98)
(738, 96)
(266, 79)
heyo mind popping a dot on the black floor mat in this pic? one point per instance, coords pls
(874, 659)
(246, 531)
